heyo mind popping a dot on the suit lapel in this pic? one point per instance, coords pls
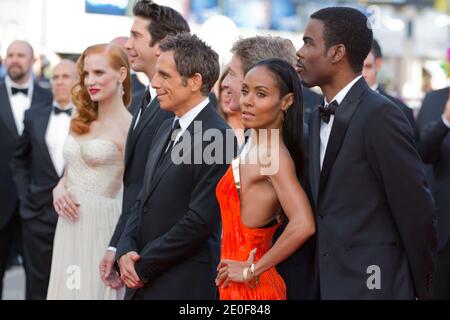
(314, 164)
(190, 130)
(6, 112)
(41, 125)
(342, 118)
(146, 117)
(154, 157)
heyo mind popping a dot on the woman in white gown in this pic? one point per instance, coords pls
(88, 197)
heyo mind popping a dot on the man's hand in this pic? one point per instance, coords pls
(128, 272)
(108, 275)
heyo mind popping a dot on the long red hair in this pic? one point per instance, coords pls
(87, 110)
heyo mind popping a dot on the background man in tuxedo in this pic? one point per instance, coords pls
(371, 67)
(38, 164)
(170, 249)
(374, 211)
(152, 23)
(17, 93)
(434, 147)
(297, 269)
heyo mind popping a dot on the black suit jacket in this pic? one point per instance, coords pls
(434, 147)
(33, 170)
(372, 204)
(311, 101)
(175, 226)
(407, 111)
(137, 147)
(9, 136)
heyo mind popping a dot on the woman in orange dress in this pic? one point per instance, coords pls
(261, 187)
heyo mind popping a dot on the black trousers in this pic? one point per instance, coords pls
(6, 239)
(442, 276)
(37, 241)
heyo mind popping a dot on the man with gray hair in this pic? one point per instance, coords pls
(170, 249)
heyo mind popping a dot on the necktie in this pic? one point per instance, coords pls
(146, 102)
(57, 111)
(175, 127)
(326, 112)
(15, 91)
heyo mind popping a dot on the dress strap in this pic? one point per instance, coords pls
(237, 178)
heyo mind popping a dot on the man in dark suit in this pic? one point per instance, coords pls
(434, 147)
(152, 23)
(170, 249)
(371, 67)
(376, 238)
(311, 101)
(17, 93)
(38, 165)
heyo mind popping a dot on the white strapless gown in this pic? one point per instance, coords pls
(94, 177)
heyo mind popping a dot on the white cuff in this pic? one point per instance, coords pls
(445, 121)
(112, 249)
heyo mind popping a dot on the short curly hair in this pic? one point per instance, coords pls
(350, 27)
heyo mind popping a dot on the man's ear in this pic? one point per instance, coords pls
(195, 82)
(337, 53)
(287, 101)
(157, 49)
(378, 64)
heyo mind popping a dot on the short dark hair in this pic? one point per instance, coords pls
(164, 21)
(350, 27)
(192, 56)
(376, 50)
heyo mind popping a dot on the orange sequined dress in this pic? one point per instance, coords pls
(238, 240)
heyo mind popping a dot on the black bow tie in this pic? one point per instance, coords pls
(325, 113)
(66, 111)
(15, 90)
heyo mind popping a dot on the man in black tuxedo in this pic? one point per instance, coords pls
(371, 67)
(38, 164)
(171, 248)
(376, 238)
(152, 23)
(17, 93)
(434, 147)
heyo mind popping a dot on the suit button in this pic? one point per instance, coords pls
(320, 216)
(325, 254)
(127, 184)
(145, 209)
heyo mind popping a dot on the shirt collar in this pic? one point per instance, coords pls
(341, 94)
(29, 85)
(186, 119)
(67, 106)
(152, 91)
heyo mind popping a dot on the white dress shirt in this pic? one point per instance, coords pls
(186, 119)
(56, 135)
(325, 128)
(152, 97)
(19, 102)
